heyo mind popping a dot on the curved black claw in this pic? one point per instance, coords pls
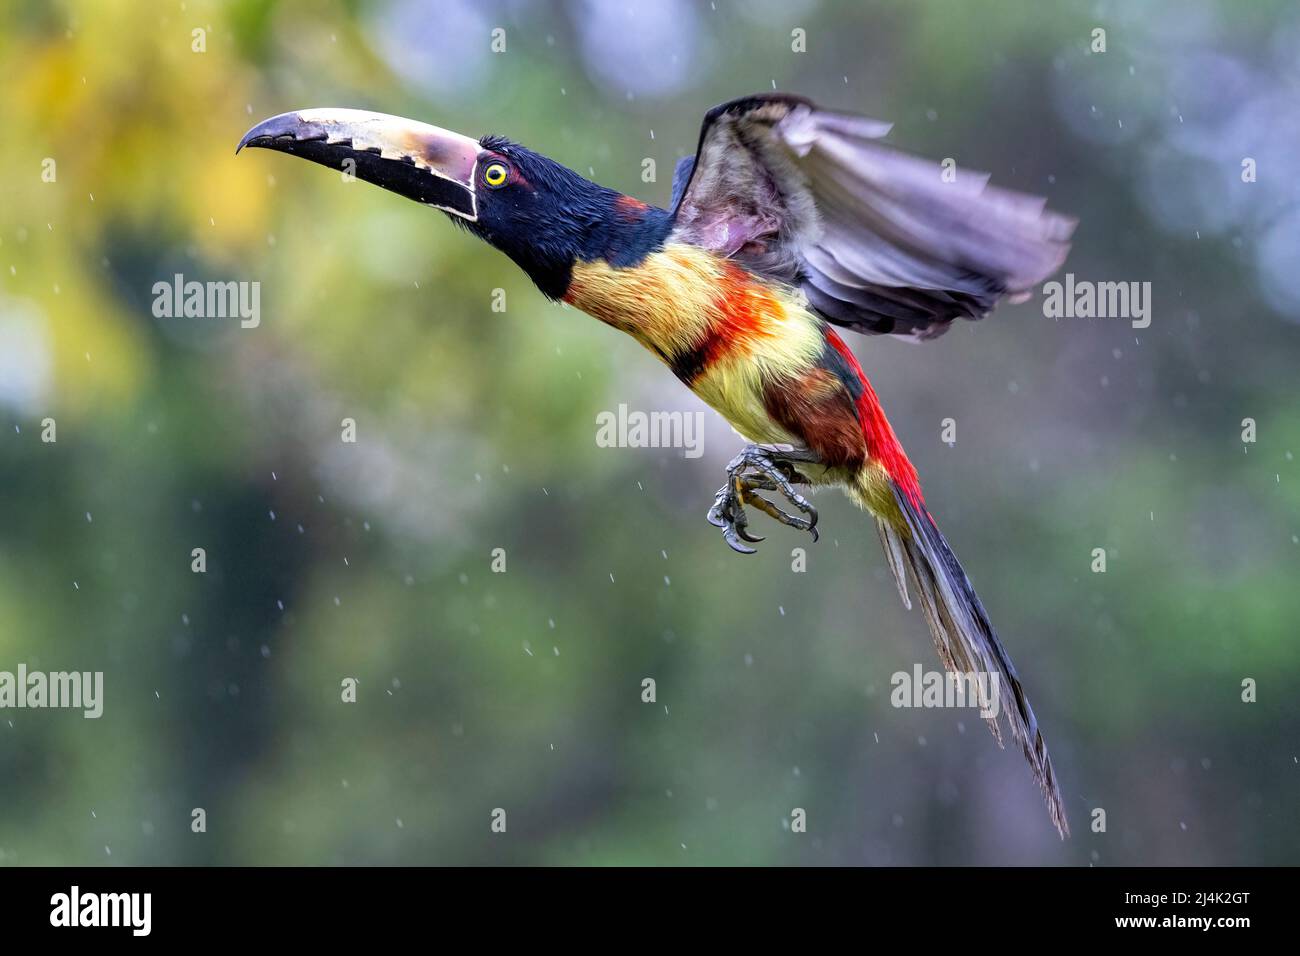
(728, 513)
(740, 520)
(729, 534)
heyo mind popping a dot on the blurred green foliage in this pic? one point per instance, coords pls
(522, 690)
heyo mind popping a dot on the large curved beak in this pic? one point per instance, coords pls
(421, 162)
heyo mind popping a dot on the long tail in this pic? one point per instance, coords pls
(962, 633)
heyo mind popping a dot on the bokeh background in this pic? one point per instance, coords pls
(476, 430)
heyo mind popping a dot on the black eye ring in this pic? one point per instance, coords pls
(495, 175)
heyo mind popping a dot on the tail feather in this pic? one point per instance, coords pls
(894, 552)
(963, 635)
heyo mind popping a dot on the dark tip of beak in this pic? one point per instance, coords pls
(285, 128)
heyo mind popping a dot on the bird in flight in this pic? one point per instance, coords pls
(788, 223)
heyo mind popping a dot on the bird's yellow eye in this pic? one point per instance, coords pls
(495, 175)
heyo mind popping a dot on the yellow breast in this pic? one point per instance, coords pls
(725, 332)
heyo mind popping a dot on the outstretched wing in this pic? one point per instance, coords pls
(879, 241)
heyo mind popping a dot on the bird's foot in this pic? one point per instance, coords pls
(758, 469)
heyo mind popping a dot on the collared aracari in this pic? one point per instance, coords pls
(789, 221)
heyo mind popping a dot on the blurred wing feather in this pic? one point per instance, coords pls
(876, 238)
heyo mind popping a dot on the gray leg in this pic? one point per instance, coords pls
(758, 469)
